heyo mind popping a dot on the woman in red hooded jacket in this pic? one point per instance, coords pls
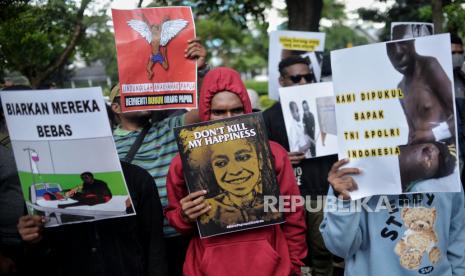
(268, 251)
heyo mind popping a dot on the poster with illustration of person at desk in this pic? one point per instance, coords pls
(65, 155)
(230, 159)
(395, 115)
(154, 72)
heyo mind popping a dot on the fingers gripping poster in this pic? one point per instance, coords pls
(395, 115)
(153, 70)
(65, 155)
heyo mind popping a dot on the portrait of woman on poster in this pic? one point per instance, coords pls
(242, 171)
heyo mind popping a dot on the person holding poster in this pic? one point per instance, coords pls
(158, 148)
(310, 174)
(131, 245)
(264, 251)
(410, 234)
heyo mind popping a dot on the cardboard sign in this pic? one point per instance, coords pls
(65, 155)
(310, 118)
(290, 43)
(395, 115)
(153, 72)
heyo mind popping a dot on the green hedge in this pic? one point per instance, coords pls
(261, 87)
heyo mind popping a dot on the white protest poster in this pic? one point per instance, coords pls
(309, 45)
(310, 119)
(402, 30)
(65, 155)
(395, 115)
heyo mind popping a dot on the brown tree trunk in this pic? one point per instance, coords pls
(304, 15)
(438, 16)
(79, 30)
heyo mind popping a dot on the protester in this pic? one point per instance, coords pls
(11, 208)
(270, 250)
(458, 59)
(12, 259)
(412, 234)
(131, 245)
(157, 150)
(459, 87)
(310, 173)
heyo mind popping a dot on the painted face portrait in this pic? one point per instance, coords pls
(236, 167)
(402, 55)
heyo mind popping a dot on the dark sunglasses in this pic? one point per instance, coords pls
(297, 78)
(457, 52)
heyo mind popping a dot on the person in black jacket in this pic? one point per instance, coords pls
(130, 245)
(310, 174)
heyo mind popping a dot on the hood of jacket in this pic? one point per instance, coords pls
(218, 80)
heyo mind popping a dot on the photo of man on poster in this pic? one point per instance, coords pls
(427, 103)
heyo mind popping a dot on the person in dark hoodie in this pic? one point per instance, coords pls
(270, 250)
(130, 245)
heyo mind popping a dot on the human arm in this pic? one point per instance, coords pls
(341, 231)
(183, 208)
(294, 228)
(195, 51)
(456, 243)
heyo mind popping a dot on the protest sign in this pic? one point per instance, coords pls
(232, 160)
(402, 30)
(153, 71)
(310, 119)
(395, 115)
(283, 44)
(65, 155)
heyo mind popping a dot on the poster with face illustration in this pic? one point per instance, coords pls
(153, 71)
(65, 155)
(231, 160)
(284, 45)
(310, 118)
(395, 115)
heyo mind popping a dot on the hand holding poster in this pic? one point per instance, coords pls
(65, 155)
(310, 118)
(291, 43)
(395, 114)
(153, 70)
(231, 159)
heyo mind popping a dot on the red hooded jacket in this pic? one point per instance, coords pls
(268, 251)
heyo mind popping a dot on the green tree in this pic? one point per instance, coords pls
(234, 32)
(39, 38)
(446, 14)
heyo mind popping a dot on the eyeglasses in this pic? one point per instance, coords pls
(457, 52)
(297, 78)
